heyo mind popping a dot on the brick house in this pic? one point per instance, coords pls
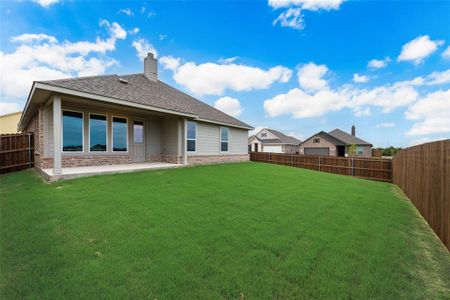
(336, 143)
(117, 120)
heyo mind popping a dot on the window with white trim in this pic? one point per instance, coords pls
(360, 150)
(72, 131)
(191, 138)
(119, 134)
(97, 133)
(224, 139)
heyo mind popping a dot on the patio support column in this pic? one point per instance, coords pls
(185, 160)
(57, 122)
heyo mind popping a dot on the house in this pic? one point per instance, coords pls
(121, 120)
(336, 143)
(9, 122)
(270, 140)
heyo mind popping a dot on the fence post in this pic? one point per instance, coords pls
(29, 150)
(319, 163)
(270, 157)
(353, 167)
(292, 160)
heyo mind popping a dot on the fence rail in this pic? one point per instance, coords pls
(423, 173)
(369, 168)
(16, 152)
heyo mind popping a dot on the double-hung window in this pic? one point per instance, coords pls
(97, 133)
(119, 134)
(191, 141)
(360, 150)
(224, 139)
(72, 123)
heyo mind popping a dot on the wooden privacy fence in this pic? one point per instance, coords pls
(423, 173)
(369, 168)
(16, 152)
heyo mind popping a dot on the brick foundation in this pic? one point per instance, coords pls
(172, 159)
(217, 159)
(87, 160)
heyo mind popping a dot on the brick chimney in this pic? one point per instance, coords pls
(151, 67)
(353, 130)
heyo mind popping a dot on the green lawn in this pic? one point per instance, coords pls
(253, 231)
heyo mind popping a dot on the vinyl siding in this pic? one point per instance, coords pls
(208, 140)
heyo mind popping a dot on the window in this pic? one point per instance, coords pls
(97, 133)
(191, 136)
(138, 132)
(360, 150)
(223, 139)
(316, 141)
(119, 134)
(72, 131)
(263, 135)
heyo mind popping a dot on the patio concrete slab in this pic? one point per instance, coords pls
(68, 173)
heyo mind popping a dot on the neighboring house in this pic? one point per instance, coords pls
(113, 120)
(336, 143)
(9, 122)
(270, 140)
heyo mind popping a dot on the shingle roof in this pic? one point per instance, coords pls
(281, 138)
(347, 138)
(140, 90)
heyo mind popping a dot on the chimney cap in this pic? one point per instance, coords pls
(151, 54)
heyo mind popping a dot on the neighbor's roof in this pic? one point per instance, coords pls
(347, 138)
(281, 138)
(143, 91)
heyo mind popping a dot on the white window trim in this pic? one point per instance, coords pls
(89, 133)
(188, 139)
(227, 141)
(62, 131)
(112, 135)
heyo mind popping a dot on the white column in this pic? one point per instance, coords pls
(185, 160)
(57, 123)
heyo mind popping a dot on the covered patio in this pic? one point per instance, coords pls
(75, 172)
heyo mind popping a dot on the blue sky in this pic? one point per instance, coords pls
(299, 66)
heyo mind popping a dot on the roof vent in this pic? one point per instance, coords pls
(124, 81)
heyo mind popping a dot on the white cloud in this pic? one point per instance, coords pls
(360, 78)
(229, 105)
(418, 49)
(9, 107)
(126, 11)
(307, 4)
(386, 125)
(170, 62)
(446, 53)
(291, 17)
(143, 47)
(316, 98)
(133, 31)
(214, 79)
(303, 105)
(228, 60)
(362, 112)
(162, 37)
(310, 77)
(44, 57)
(378, 63)
(431, 113)
(46, 3)
(32, 37)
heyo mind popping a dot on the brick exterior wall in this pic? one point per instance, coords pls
(87, 160)
(214, 159)
(323, 143)
(172, 159)
(36, 126)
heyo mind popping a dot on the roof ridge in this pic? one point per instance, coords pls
(75, 78)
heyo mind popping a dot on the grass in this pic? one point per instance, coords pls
(253, 231)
